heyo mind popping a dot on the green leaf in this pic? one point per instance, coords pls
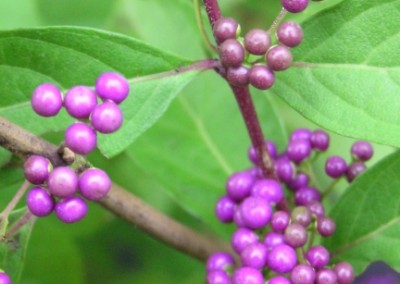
(347, 76)
(200, 141)
(71, 56)
(12, 253)
(368, 218)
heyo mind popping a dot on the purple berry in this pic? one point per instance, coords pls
(284, 169)
(280, 220)
(325, 226)
(247, 275)
(298, 150)
(278, 280)
(112, 86)
(318, 256)
(62, 182)
(273, 239)
(294, 6)
(231, 53)
(261, 77)
(326, 276)
(362, 150)
(71, 209)
(301, 215)
(354, 170)
(39, 202)
(257, 41)
(282, 259)
(217, 277)
(80, 138)
(302, 274)
(279, 58)
(319, 140)
(300, 134)
(316, 208)
(344, 272)
(268, 189)
(306, 194)
(225, 209)
(94, 184)
(296, 235)
(225, 28)
(238, 76)
(219, 261)
(107, 117)
(80, 101)
(300, 180)
(238, 185)
(4, 278)
(46, 100)
(242, 238)
(254, 255)
(290, 34)
(335, 166)
(37, 169)
(238, 219)
(269, 145)
(256, 212)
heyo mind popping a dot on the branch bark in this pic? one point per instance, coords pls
(119, 201)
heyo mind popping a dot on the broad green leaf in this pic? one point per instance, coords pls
(347, 76)
(12, 252)
(368, 218)
(70, 56)
(199, 142)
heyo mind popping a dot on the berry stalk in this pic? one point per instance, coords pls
(213, 11)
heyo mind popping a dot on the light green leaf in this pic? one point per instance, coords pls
(368, 218)
(347, 76)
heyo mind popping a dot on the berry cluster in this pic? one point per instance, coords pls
(276, 242)
(241, 57)
(57, 189)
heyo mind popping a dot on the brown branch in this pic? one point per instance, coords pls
(119, 201)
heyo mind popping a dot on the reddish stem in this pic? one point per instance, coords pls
(213, 11)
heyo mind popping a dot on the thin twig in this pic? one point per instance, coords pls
(200, 23)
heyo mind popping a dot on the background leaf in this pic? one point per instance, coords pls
(368, 218)
(350, 75)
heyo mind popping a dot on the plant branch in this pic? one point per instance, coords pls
(277, 21)
(119, 201)
(199, 19)
(213, 11)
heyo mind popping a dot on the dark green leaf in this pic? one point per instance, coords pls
(347, 77)
(368, 218)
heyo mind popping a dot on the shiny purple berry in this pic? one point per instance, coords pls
(71, 209)
(39, 202)
(268, 189)
(300, 180)
(290, 34)
(80, 101)
(344, 272)
(217, 277)
(231, 53)
(326, 276)
(306, 194)
(254, 255)
(298, 150)
(238, 185)
(273, 239)
(301, 215)
(303, 274)
(316, 208)
(80, 138)
(242, 238)
(261, 77)
(296, 235)
(294, 6)
(46, 100)
(225, 209)
(247, 275)
(284, 169)
(107, 117)
(94, 184)
(279, 58)
(325, 226)
(225, 28)
(219, 261)
(362, 150)
(279, 280)
(282, 259)
(62, 182)
(280, 220)
(300, 134)
(4, 278)
(256, 212)
(318, 256)
(354, 170)
(238, 76)
(257, 41)
(112, 86)
(37, 169)
(335, 166)
(319, 140)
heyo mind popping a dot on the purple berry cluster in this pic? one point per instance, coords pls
(275, 232)
(63, 189)
(257, 46)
